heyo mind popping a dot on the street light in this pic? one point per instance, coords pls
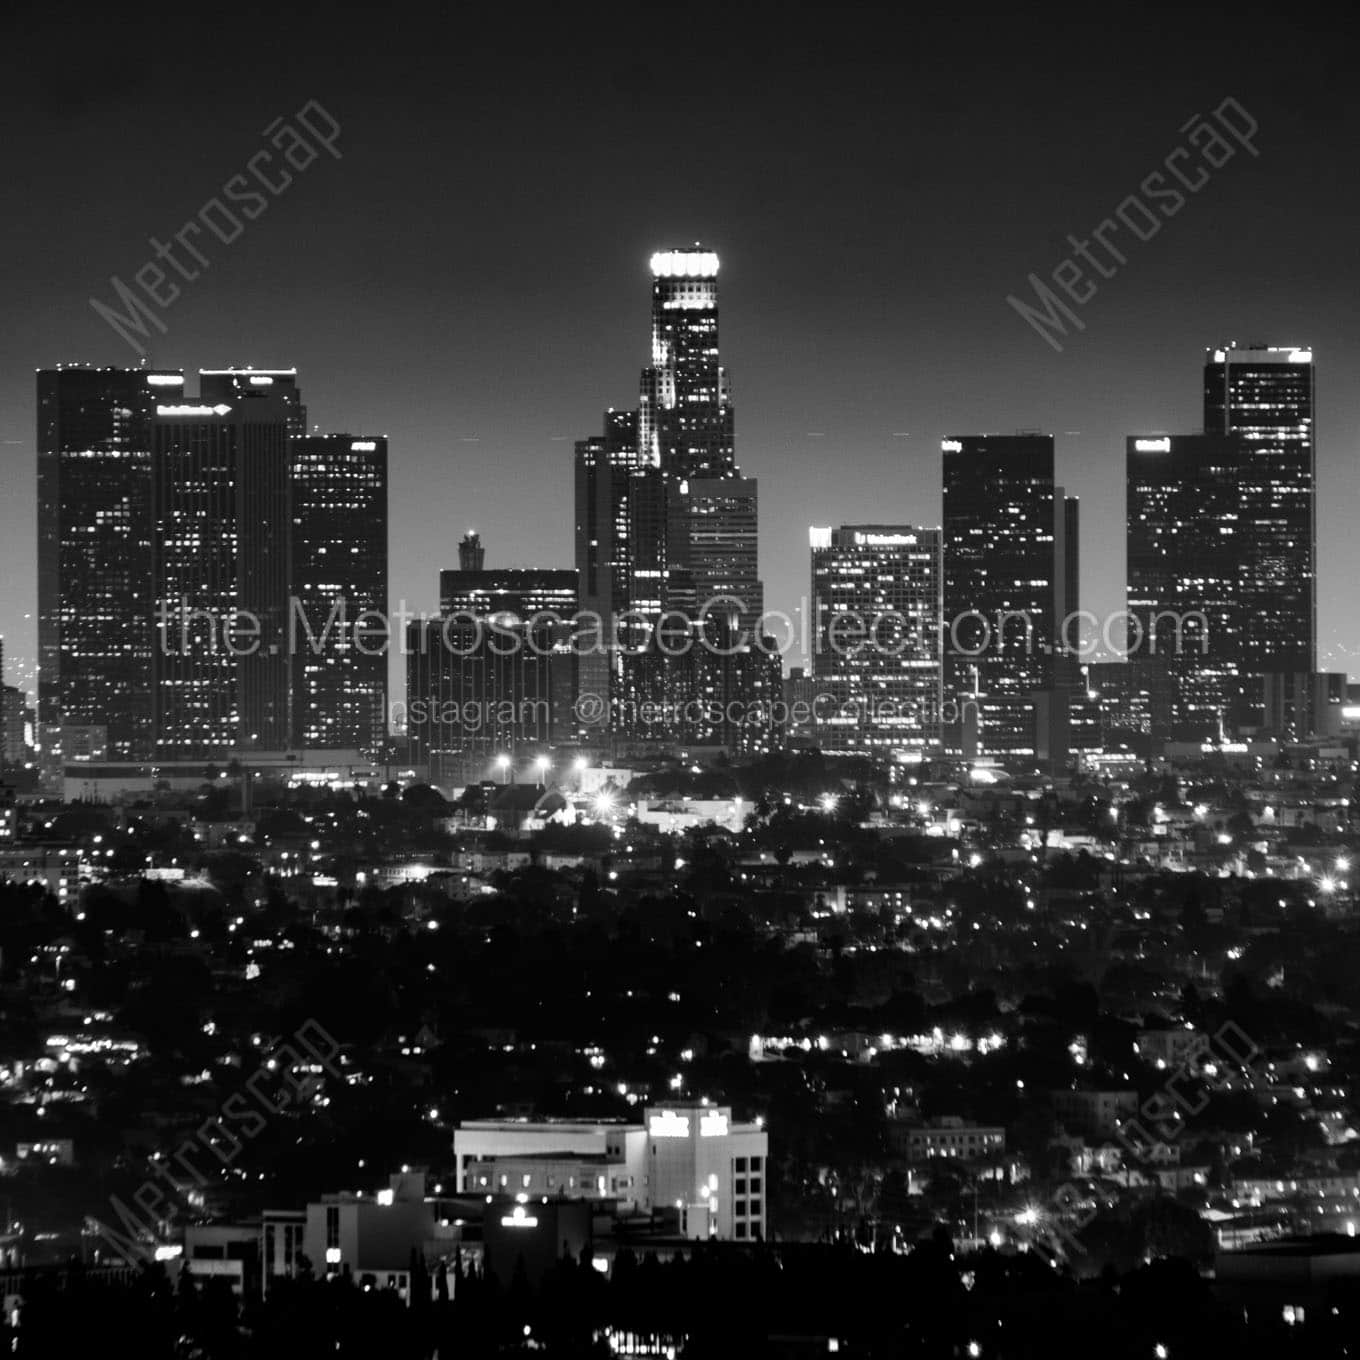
(543, 765)
(503, 765)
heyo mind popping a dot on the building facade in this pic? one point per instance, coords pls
(665, 522)
(95, 637)
(692, 1161)
(338, 606)
(1001, 582)
(1264, 396)
(1186, 546)
(220, 566)
(877, 596)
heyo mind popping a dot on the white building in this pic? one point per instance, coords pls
(692, 1160)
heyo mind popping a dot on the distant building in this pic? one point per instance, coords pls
(338, 610)
(1132, 697)
(1187, 540)
(877, 597)
(95, 635)
(667, 530)
(1263, 396)
(12, 743)
(220, 571)
(948, 1138)
(1095, 1113)
(1007, 584)
(690, 1160)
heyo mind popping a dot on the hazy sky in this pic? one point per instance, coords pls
(471, 276)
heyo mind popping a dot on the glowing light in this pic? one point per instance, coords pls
(951, 446)
(164, 380)
(684, 264)
(712, 1126)
(519, 1219)
(1152, 445)
(219, 410)
(668, 1124)
(363, 445)
(821, 538)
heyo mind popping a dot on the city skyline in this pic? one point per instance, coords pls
(901, 303)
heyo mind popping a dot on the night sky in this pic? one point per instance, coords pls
(471, 277)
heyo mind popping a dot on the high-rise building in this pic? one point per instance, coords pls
(476, 692)
(95, 637)
(338, 610)
(685, 411)
(712, 548)
(12, 737)
(1001, 570)
(496, 671)
(1067, 588)
(217, 385)
(664, 520)
(1189, 536)
(1264, 395)
(220, 573)
(877, 597)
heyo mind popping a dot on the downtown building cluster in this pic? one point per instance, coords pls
(212, 578)
(971, 640)
(213, 586)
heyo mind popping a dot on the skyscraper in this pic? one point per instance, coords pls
(220, 573)
(876, 595)
(665, 523)
(1067, 588)
(1000, 570)
(1265, 396)
(338, 609)
(685, 408)
(713, 550)
(1188, 541)
(94, 558)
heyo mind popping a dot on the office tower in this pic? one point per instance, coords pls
(476, 692)
(697, 683)
(12, 742)
(471, 554)
(712, 548)
(876, 597)
(95, 635)
(664, 520)
(1000, 570)
(1265, 397)
(338, 609)
(217, 385)
(1188, 537)
(542, 594)
(1067, 588)
(1135, 699)
(685, 408)
(220, 569)
(620, 552)
(496, 671)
